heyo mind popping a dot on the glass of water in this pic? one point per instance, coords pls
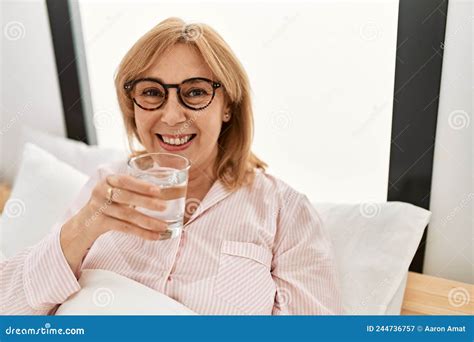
(169, 172)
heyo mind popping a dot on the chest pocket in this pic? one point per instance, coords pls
(244, 279)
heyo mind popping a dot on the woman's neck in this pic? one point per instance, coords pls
(199, 184)
(202, 177)
(200, 181)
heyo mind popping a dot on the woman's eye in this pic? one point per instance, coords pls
(196, 92)
(152, 92)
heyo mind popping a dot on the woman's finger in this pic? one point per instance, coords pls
(133, 184)
(130, 228)
(135, 217)
(130, 198)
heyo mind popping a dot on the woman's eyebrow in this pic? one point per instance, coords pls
(152, 77)
(184, 79)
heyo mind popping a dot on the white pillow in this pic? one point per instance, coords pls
(395, 305)
(44, 188)
(107, 293)
(81, 156)
(374, 244)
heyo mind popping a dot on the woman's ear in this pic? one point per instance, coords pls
(227, 116)
(227, 112)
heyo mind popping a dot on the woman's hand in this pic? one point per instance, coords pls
(101, 214)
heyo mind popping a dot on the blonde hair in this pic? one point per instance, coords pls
(235, 163)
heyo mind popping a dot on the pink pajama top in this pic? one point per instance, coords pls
(260, 250)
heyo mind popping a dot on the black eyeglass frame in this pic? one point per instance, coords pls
(128, 86)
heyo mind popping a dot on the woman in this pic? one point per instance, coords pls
(253, 245)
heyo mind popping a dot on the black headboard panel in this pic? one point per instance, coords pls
(67, 68)
(420, 42)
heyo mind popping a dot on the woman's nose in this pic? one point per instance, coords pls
(172, 111)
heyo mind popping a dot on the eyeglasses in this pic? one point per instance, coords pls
(150, 93)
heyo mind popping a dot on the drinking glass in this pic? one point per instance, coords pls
(169, 172)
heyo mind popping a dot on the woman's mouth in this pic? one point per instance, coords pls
(175, 142)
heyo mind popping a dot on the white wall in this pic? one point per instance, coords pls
(348, 157)
(328, 133)
(449, 246)
(29, 86)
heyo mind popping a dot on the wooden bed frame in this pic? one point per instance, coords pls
(424, 294)
(4, 194)
(428, 295)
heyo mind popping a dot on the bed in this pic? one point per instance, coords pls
(403, 225)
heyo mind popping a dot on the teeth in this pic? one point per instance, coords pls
(176, 141)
